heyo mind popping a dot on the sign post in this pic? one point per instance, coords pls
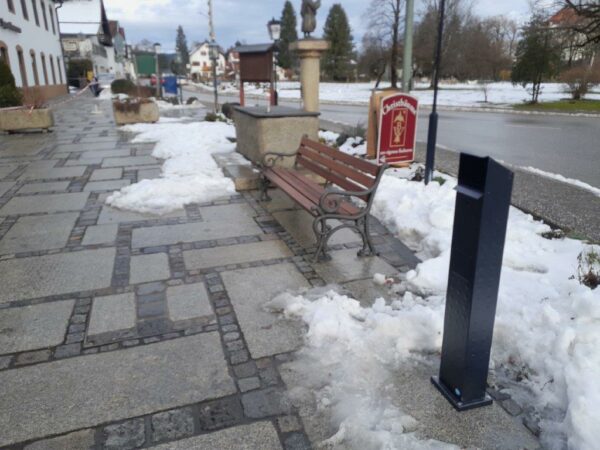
(397, 134)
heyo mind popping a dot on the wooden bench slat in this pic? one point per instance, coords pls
(359, 163)
(307, 188)
(296, 195)
(315, 191)
(335, 166)
(344, 183)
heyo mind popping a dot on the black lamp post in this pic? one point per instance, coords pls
(274, 27)
(433, 117)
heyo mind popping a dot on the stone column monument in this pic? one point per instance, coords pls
(309, 51)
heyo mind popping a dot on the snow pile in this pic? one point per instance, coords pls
(189, 174)
(353, 145)
(547, 332)
(349, 358)
(163, 105)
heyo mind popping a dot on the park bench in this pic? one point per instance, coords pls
(349, 202)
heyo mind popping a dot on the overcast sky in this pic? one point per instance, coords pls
(246, 20)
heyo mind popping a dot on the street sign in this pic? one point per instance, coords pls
(397, 129)
(170, 85)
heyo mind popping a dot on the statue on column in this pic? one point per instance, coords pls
(309, 16)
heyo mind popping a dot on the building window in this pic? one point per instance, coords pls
(59, 68)
(52, 19)
(24, 8)
(22, 67)
(35, 12)
(34, 68)
(4, 54)
(11, 6)
(44, 14)
(44, 68)
(52, 70)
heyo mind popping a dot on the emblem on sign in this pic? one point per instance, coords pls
(397, 129)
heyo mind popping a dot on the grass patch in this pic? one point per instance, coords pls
(592, 106)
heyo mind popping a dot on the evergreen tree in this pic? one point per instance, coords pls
(537, 57)
(182, 49)
(289, 33)
(9, 94)
(337, 60)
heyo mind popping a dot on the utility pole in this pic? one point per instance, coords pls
(214, 54)
(408, 46)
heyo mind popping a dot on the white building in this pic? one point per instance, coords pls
(30, 44)
(86, 34)
(201, 64)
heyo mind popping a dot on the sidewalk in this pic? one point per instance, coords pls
(119, 330)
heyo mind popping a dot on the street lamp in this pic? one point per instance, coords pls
(213, 50)
(433, 117)
(157, 50)
(274, 27)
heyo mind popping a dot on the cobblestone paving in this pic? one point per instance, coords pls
(120, 330)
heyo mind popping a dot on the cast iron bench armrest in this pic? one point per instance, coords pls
(329, 203)
(270, 158)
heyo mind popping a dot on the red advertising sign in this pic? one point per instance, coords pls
(397, 129)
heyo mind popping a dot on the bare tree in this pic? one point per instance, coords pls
(373, 59)
(589, 25)
(386, 24)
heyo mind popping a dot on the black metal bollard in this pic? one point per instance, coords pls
(482, 204)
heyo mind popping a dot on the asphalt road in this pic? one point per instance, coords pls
(565, 145)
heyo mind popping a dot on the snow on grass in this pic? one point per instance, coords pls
(469, 94)
(356, 146)
(547, 331)
(558, 177)
(189, 173)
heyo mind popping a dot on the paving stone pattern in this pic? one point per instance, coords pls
(121, 330)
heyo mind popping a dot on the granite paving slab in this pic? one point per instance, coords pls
(346, 266)
(219, 222)
(34, 233)
(78, 440)
(45, 203)
(5, 186)
(112, 313)
(235, 254)
(34, 188)
(83, 162)
(146, 268)
(110, 185)
(129, 161)
(148, 174)
(47, 174)
(64, 273)
(260, 435)
(33, 327)
(188, 301)
(90, 390)
(6, 170)
(249, 289)
(100, 234)
(113, 215)
(106, 174)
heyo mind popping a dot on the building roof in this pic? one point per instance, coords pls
(565, 17)
(87, 17)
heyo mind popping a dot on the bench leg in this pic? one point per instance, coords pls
(322, 233)
(368, 249)
(263, 185)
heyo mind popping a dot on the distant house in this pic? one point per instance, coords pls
(86, 34)
(201, 64)
(572, 41)
(119, 41)
(30, 45)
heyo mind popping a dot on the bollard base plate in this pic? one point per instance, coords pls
(454, 401)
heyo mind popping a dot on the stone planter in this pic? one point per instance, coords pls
(12, 120)
(146, 113)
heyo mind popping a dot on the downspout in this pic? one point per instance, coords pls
(62, 50)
